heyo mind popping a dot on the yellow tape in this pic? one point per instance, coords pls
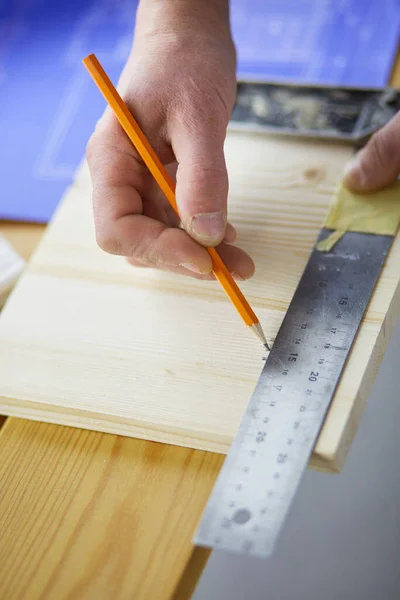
(377, 212)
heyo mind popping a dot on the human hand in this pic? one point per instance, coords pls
(180, 84)
(378, 163)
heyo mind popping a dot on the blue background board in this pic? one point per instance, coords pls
(347, 42)
(49, 105)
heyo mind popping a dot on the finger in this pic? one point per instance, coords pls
(378, 164)
(230, 234)
(155, 204)
(122, 229)
(178, 270)
(202, 181)
(155, 245)
(238, 262)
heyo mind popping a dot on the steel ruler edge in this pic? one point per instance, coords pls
(263, 469)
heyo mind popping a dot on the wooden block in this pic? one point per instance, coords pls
(90, 516)
(87, 340)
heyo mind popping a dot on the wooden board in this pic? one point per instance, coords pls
(25, 456)
(86, 340)
(24, 237)
(89, 516)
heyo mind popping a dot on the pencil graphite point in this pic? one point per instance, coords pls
(256, 327)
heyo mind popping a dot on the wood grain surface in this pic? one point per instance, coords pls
(88, 340)
(87, 515)
(23, 236)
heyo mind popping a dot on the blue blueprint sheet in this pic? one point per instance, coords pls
(49, 105)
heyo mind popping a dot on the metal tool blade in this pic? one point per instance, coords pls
(264, 467)
(344, 114)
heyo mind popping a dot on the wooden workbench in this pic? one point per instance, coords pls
(86, 515)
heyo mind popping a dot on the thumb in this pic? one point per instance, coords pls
(378, 164)
(201, 183)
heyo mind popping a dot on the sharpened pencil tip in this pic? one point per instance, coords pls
(256, 327)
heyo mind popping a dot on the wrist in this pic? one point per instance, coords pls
(183, 17)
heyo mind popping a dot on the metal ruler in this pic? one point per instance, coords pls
(344, 114)
(260, 476)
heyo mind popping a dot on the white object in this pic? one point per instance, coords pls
(11, 266)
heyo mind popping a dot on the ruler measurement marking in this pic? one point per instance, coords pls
(253, 493)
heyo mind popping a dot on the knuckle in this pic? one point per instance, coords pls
(148, 250)
(197, 110)
(203, 176)
(144, 253)
(213, 121)
(94, 147)
(104, 136)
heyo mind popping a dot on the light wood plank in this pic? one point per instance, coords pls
(85, 515)
(24, 237)
(87, 340)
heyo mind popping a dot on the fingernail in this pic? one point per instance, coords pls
(209, 227)
(191, 267)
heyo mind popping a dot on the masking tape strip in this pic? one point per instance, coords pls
(377, 213)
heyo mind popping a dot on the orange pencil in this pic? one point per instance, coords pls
(160, 174)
